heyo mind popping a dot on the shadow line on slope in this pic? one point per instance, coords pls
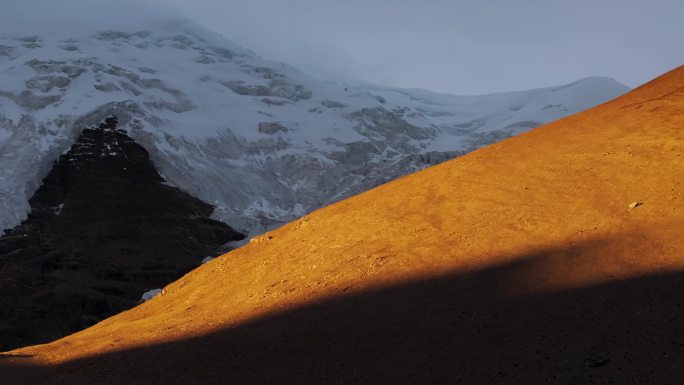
(8, 356)
(465, 328)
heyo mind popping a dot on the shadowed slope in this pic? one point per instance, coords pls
(451, 329)
(550, 206)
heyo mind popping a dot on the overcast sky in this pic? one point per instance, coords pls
(455, 46)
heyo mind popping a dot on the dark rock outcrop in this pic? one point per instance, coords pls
(103, 228)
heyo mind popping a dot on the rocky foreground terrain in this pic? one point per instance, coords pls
(104, 228)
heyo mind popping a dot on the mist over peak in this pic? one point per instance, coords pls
(79, 17)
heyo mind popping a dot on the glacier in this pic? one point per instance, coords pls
(261, 141)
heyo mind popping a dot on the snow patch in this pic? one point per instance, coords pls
(58, 209)
(148, 295)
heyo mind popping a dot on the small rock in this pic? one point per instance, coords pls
(596, 362)
(260, 239)
(635, 205)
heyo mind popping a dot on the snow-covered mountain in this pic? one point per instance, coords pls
(261, 141)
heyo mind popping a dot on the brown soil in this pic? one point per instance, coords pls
(520, 263)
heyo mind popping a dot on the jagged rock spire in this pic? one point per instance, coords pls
(104, 227)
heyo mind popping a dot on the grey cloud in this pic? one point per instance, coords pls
(456, 46)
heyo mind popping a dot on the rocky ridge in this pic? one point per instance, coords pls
(104, 227)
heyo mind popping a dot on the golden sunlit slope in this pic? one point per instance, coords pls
(522, 262)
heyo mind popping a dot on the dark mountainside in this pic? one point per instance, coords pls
(103, 229)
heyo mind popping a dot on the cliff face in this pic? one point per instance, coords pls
(104, 227)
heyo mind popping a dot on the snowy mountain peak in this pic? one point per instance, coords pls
(259, 140)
